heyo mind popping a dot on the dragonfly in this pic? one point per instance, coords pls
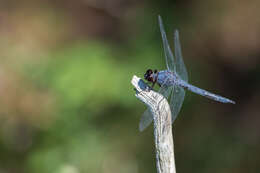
(174, 80)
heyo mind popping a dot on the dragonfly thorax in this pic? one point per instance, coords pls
(167, 78)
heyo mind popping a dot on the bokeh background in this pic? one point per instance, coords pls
(67, 104)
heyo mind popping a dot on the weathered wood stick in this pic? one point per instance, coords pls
(161, 112)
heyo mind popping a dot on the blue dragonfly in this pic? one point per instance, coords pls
(174, 80)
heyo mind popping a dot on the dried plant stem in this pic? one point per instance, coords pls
(160, 109)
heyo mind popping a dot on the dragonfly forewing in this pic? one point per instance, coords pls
(167, 50)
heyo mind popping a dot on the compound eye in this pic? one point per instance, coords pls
(148, 74)
(149, 71)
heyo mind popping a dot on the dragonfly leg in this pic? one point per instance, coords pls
(153, 84)
(156, 77)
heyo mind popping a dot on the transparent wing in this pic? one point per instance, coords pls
(167, 50)
(146, 120)
(176, 101)
(179, 66)
(147, 116)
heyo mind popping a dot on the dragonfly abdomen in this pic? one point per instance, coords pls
(205, 93)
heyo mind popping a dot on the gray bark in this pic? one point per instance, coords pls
(161, 112)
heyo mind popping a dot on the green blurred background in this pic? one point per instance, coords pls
(67, 104)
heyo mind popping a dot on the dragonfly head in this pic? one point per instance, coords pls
(151, 76)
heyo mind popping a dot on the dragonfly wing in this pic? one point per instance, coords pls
(177, 99)
(167, 50)
(180, 66)
(146, 120)
(147, 116)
